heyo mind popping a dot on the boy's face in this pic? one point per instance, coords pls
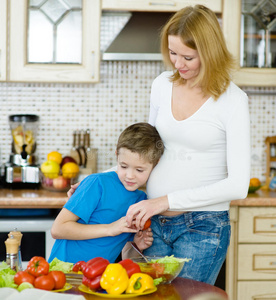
(133, 171)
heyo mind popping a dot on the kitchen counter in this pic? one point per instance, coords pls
(42, 198)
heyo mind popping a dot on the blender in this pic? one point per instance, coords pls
(21, 170)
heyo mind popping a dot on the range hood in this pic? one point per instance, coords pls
(139, 39)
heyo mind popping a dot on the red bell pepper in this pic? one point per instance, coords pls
(79, 266)
(95, 267)
(94, 283)
(130, 266)
(38, 266)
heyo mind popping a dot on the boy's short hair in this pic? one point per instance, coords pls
(144, 139)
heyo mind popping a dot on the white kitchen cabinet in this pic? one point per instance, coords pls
(251, 258)
(22, 70)
(3, 39)
(158, 5)
(232, 31)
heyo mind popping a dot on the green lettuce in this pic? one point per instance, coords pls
(6, 276)
(58, 265)
(170, 263)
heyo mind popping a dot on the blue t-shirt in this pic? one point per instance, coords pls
(100, 199)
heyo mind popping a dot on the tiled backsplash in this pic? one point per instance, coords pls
(106, 108)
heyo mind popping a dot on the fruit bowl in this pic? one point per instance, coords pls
(167, 270)
(57, 183)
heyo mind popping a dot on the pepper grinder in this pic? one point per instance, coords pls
(12, 252)
(18, 236)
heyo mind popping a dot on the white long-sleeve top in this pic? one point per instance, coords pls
(206, 162)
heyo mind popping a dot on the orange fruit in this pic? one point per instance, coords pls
(255, 182)
(70, 170)
(54, 156)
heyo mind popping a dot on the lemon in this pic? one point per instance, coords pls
(24, 286)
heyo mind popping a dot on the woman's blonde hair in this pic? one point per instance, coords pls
(199, 29)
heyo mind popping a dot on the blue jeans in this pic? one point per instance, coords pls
(203, 236)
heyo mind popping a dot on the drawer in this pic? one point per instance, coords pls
(257, 225)
(256, 290)
(158, 5)
(257, 262)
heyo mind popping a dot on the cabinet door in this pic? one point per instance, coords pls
(257, 262)
(22, 68)
(257, 225)
(158, 5)
(232, 32)
(254, 290)
(3, 39)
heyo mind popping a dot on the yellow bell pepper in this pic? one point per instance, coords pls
(139, 283)
(114, 279)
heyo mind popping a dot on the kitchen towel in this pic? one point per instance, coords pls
(35, 294)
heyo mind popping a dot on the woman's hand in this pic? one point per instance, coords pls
(140, 212)
(119, 227)
(72, 189)
(143, 239)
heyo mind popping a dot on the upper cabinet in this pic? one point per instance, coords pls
(250, 31)
(249, 27)
(3, 39)
(54, 41)
(158, 5)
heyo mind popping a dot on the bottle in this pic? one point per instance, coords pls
(18, 236)
(12, 252)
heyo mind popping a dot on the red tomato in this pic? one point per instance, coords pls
(59, 278)
(38, 266)
(23, 276)
(44, 282)
(147, 224)
(79, 266)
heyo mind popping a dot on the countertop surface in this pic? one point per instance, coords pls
(42, 198)
(179, 289)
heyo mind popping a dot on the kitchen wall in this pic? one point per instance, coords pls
(106, 108)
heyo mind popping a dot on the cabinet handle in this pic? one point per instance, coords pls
(165, 4)
(273, 263)
(273, 225)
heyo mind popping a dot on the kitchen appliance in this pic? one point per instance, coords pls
(21, 171)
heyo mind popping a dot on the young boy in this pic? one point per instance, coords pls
(92, 223)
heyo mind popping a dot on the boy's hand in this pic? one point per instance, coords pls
(119, 227)
(143, 239)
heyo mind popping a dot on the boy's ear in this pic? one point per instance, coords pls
(116, 153)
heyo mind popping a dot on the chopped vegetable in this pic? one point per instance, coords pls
(58, 265)
(171, 263)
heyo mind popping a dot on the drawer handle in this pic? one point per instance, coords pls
(273, 225)
(272, 263)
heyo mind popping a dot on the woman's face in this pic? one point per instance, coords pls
(186, 60)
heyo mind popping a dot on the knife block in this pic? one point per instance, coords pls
(91, 164)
